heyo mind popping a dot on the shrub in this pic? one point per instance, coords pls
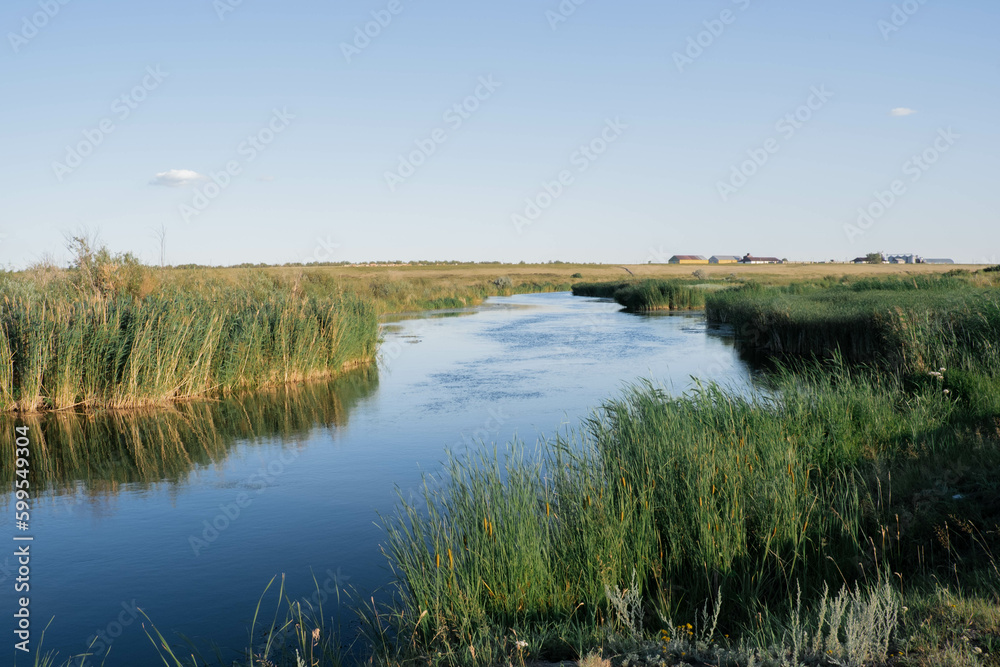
(99, 272)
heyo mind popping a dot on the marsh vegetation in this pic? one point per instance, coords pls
(845, 512)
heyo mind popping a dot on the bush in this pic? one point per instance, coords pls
(101, 273)
(503, 283)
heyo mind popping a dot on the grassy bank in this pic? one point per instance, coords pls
(647, 295)
(741, 516)
(912, 325)
(62, 348)
(709, 497)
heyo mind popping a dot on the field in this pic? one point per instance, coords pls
(444, 276)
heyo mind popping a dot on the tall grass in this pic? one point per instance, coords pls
(64, 349)
(647, 295)
(917, 324)
(713, 493)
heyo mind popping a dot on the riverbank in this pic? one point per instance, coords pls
(61, 348)
(649, 295)
(841, 524)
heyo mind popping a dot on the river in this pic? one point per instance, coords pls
(186, 513)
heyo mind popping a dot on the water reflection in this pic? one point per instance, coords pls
(101, 451)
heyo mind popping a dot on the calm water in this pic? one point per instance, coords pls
(126, 518)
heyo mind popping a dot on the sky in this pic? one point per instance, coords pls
(228, 131)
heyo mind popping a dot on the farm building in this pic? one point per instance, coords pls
(723, 259)
(750, 259)
(938, 260)
(687, 259)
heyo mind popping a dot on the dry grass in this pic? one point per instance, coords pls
(594, 660)
(474, 273)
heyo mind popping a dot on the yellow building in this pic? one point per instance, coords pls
(724, 259)
(687, 259)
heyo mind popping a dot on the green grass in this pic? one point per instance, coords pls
(111, 333)
(647, 295)
(831, 474)
(63, 348)
(849, 477)
(912, 325)
(841, 513)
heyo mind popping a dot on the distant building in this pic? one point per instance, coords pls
(687, 259)
(903, 259)
(723, 259)
(859, 260)
(750, 259)
(938, 260)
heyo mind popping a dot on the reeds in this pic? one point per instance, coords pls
(647, 295)
(711, 492)
(63, 350)
(910, 325)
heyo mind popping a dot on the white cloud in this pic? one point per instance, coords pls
(176, 178)
(901, 111)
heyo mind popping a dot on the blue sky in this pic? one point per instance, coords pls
(607, 132)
